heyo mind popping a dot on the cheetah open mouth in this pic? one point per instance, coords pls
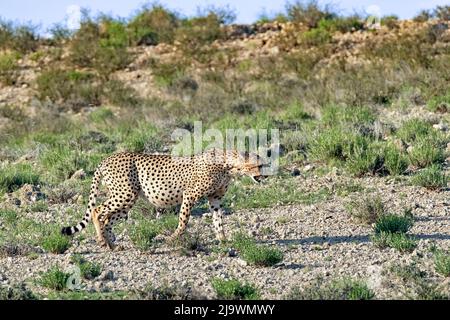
(258, 179)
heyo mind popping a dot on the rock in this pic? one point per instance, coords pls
(79, 175)
(242, 262)
(107, 275)
(30, 193)
(308, 167)
(232, 252)
(440, 126)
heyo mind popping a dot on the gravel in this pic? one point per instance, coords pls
(318, 240)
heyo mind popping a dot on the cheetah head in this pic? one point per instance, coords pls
(251, 165)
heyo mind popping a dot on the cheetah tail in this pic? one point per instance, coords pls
(68, 231)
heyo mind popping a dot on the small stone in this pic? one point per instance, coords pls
(232, 252)
(242, 262)
(78, 175)
(308, 167)
(107, 275)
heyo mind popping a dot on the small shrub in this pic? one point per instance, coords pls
(119, 94)
(395, 161)
(63, 161)
(442, 262)
(432, 178)
(365, 158)
(143, 233)
(399, 241)
(392, 223)
(89, 270)
(442, 12)
(142, 139)
(167, 73)
(17, 292)
(413, 129)
(309, 13)
(54, 278)
(12, 177)
(73, 88)
(426, 152)
(55, 243)
(367, 210)
(152, 25)
(101, 44)
(18, 37)
(234, 290)
(8, 68)
(342, 289)
(440, 103)
(101, 115)
(315, 37)
(328, 145)
(254, 254)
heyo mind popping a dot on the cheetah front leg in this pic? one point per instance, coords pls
(216, 210)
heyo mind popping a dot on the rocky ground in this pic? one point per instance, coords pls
(318, 240)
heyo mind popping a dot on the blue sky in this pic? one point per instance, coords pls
(48, 12)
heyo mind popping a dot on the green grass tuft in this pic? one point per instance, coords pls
(433, 178)
(54, 278)
(234, 290)
(259, 255)
(55, 242)
(442, 262)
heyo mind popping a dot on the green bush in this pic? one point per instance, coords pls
(55, 242)
(54, 278)
(89, 270)
(12, 177)
(433, 178)
(8, 68)
(414, 129)
(143, 233)
(426, 152)
(392, 223)
(119, 94)
(152, 25)
(440, 103)
(342, 24)
(399, 241)
(315, 37)
(254, 254)
(72, 88)
(195, 34)
(101, 44)
(62, 161)
(309, 12)
(18, 37)
(364, 157)
(442, 262)
(329, 144)
(395, 162)
(167, 73)
(234, 290)
(17, 292)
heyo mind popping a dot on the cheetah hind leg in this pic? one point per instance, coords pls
(99, 225)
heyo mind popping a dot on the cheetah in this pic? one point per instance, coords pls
(165, 181)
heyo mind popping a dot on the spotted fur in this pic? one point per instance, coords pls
(165, 181)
